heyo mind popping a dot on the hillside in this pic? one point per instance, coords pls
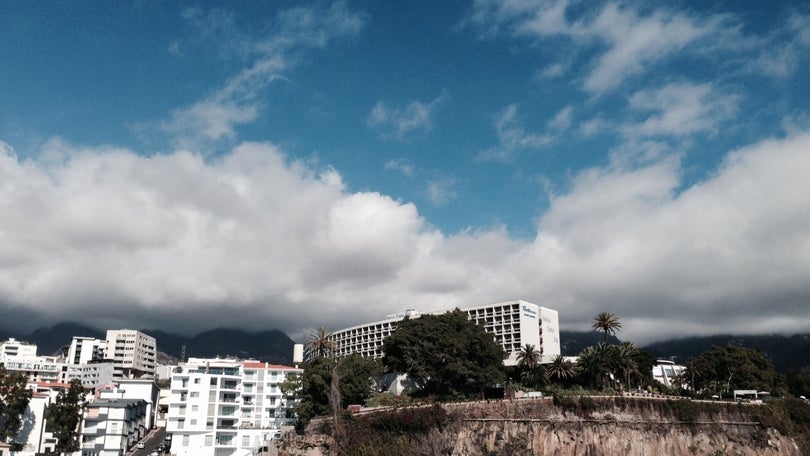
(786, 352)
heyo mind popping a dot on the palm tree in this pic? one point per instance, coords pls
(319, 342)
(561, 369)
(528, 357)
(607, 322)
(590, 365)
(528, 360)
(626, 363)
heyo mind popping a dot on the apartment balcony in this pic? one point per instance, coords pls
(230, 385)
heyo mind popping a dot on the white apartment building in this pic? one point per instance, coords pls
(224, 407)
(84, 350)
(146, 390)
(14, 348)
(513, 324)
(22, 357)
(133, 353)
(112, 426)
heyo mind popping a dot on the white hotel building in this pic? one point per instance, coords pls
(225, 407)
(513, 324)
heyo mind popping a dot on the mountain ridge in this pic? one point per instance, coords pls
(274, 346)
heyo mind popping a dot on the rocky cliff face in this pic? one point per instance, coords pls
(581, 426)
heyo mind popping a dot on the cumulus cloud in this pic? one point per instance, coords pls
(256, 240)
(404, 122)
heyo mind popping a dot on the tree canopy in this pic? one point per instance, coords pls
(14, 399)
(448, 354)
(732, 367)
(355, 383)
(64, 416)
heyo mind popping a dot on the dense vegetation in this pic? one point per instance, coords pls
(448, 355)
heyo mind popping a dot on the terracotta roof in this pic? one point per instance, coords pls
(259, 365)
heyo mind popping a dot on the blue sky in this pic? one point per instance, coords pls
(363, 157)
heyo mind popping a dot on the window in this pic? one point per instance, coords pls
(195, 408)
(193, 422)
(194, 394)
(209, 440)
(196, 381)
(185, 440)
(245, 440)
(181, 410)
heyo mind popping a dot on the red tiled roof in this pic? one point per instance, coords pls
(259, 365)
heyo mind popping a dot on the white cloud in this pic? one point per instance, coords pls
(512, 137)
(636, 42)
(631, 42)
(216, 116)
(254, 240)
(681, 109)
(404, 122)
(402, 166)
(441, 191)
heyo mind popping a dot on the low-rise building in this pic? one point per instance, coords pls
(669, 373)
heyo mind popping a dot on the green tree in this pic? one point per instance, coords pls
(64, 416)
(319, 342)
(625, 362)
(314, 390)
(357, 378)
(607, 322)
(528, 361)
(327, 384)
(449, 354)
(561, 369)
(528, 357)
(732, 367)
(14, 399)
(597, 364)
(798, 382)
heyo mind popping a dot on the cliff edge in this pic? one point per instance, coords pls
(564, 426)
